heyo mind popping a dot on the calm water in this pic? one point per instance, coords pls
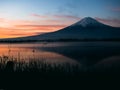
(84, 53)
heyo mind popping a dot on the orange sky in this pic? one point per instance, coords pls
(28, 30)
(10, 28)
(20, 18)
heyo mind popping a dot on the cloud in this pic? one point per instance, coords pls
(67, 17)
(112, 22)
(56, 16)
(115, 9)
(56, 19)
(21, 28)
(12, 32)
(27, 30)
(16, 34)
(46, 23)
(2, 19)
(41, 28)
(9, 23)
(39, 16)
(15, 28)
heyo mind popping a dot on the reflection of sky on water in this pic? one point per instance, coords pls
(87, 53)
(29, 53)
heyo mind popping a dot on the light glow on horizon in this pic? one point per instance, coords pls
(31, 17)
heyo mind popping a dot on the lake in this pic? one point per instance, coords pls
(83, 53)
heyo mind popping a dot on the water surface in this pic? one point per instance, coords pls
(84, 53)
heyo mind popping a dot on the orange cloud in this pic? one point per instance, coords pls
(20, 28)
(27, 30)
(40, 28)
(9, 33)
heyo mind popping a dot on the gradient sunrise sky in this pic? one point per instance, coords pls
(20, 18)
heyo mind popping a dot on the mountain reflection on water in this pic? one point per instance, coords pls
(85, 53)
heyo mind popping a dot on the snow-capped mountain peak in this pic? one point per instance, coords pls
(88, 22)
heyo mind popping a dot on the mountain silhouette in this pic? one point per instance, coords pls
(87, 28)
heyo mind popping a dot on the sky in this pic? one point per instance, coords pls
(20, 18)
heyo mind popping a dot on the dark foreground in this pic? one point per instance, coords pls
(42, 76)
(35, 81)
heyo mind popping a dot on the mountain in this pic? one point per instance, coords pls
(87, 28)
(89, 22)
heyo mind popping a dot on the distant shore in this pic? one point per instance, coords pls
(59, 40)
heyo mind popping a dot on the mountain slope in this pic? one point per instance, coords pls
(87, 28)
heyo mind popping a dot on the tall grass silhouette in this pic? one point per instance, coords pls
(8, 64)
